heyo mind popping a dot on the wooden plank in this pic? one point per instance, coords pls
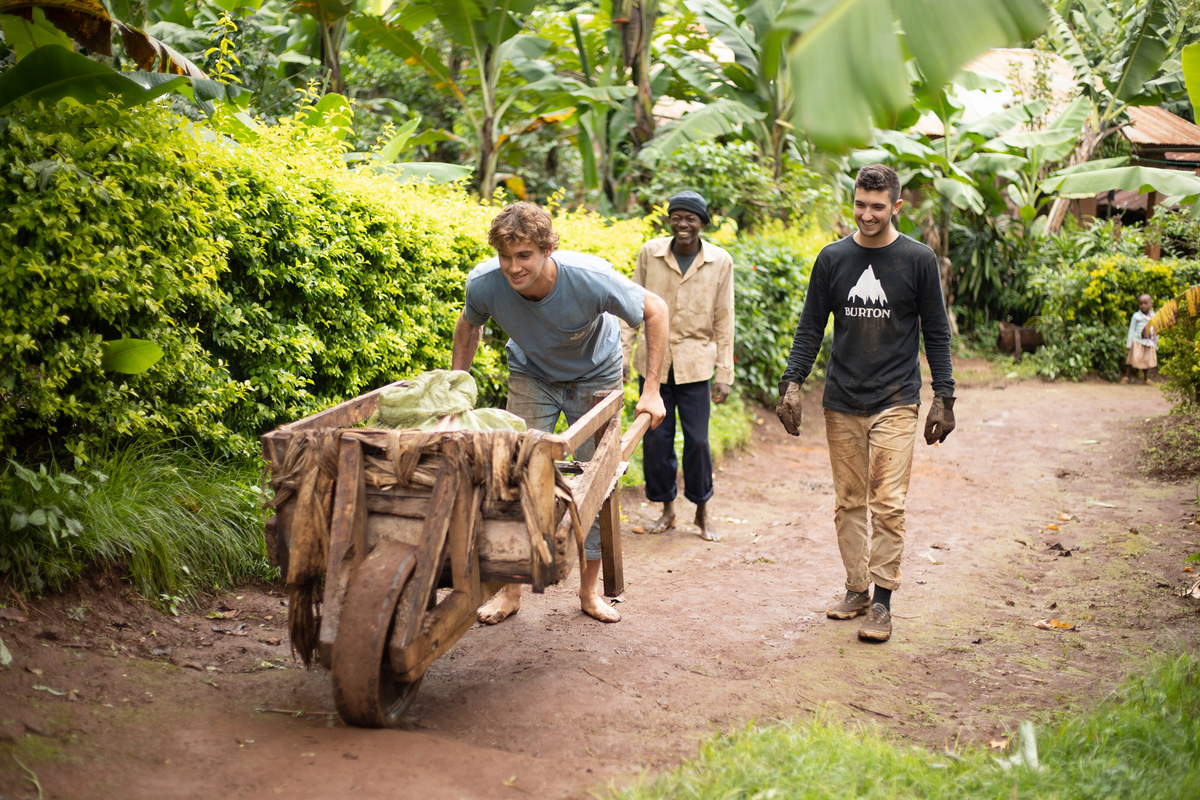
(610, 527)
(343, 415)
(347, 540)
(634, 435)
(416, 506)
(458, 539)
(443, 626)
(591, 490)
(539, 483)
(612, 563)
(389, 526)
(502, 546)
(595, 420)
(429, 556)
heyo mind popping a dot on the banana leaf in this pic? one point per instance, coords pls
(1186, 304)
(52, 73)
(90, 25)
(129, 356)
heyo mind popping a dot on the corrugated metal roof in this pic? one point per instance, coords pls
(1157, 127)
(1149, 126)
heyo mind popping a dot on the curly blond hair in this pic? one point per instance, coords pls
(523, 222)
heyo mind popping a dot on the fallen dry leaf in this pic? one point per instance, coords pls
(998, 744)
(14, 615)
(1051, 527)
(1053, 624)
(34, 670)
(1065, 517)
(1188, 569)
(183, 663)
(638, 529)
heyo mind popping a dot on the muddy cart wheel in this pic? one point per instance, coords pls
(365, 690)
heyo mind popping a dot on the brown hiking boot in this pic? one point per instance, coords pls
(855, 604)
(877, 627)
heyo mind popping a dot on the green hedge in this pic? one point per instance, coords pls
(1088, 305)
(1179, 350)
(771, 272)
(275, 281)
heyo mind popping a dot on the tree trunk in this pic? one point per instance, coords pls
(935, 232)
(486, 168)
(635, 24)
(1084, 151)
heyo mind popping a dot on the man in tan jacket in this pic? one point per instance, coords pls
(695, 278)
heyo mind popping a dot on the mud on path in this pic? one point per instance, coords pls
(714, 636)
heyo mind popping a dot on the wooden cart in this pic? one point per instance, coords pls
(407, 513)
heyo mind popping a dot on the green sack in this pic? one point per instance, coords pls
(435, 394)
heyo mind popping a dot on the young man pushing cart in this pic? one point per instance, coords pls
(560, 312)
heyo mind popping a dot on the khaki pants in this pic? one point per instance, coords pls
(872, 460)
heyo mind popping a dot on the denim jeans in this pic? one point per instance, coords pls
(539, 403)
(658, 446)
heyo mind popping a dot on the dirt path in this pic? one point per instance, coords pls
(553, 704)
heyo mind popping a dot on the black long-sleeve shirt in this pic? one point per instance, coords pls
(882, 299)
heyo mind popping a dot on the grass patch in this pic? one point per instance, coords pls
(1171, 446)
(1143, 741)
(174, 522)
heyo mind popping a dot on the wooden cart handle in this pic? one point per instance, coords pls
(634, 435)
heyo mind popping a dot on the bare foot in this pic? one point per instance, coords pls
(707, 533)
(594, 606)
(590, 600)
(666, 521)
(506, 603)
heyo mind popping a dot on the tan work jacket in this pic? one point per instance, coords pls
(701, 306)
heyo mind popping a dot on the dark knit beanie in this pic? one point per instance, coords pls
(690, 201)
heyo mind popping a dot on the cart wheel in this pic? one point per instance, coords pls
(365, 690)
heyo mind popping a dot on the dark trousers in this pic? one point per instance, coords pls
(658, 446)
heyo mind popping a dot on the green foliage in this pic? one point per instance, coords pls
(770, 271)
(1088, 303)
(1143, 742)
(991, 274)
(121, 244)
(172, 521)
(1178, 234)
(736, 183)
(275, 281)
(1179, 354)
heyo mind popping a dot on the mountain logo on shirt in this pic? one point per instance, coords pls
(868, 290)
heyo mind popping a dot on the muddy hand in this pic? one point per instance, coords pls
(788, 409)
(720, 392)
(940, 420)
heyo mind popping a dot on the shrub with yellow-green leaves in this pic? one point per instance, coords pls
(1088, 305)
(275, 281)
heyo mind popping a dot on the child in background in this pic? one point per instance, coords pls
(1142, 350)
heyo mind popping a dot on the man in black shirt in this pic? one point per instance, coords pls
(884, 291)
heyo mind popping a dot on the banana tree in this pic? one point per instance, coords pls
(848, 64)
(332, 17)
(89, 23)
(752, 94)
(1113, 79)
(516, 90)
(959, 169)
(634, 22)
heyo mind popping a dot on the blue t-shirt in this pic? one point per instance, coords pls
(570, 334)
